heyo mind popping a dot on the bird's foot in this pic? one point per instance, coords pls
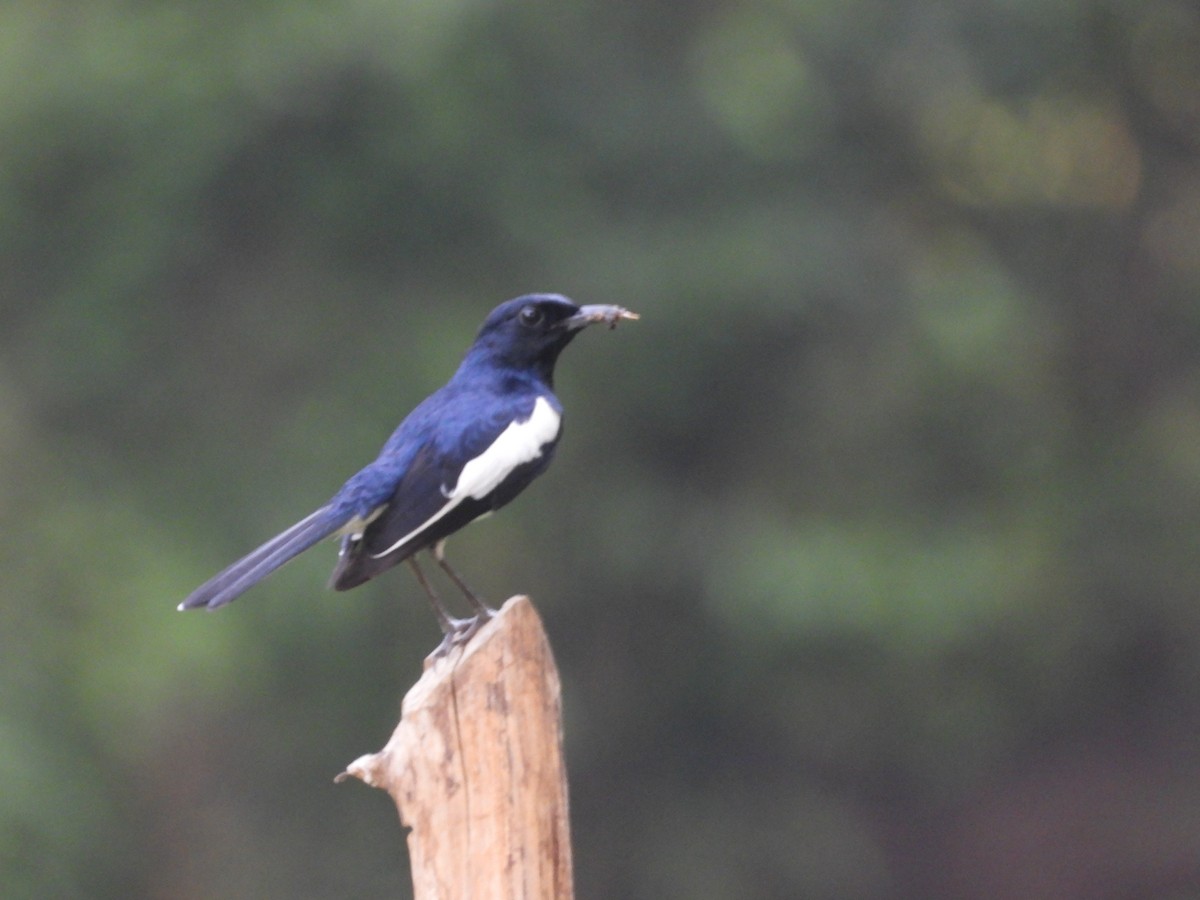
(460, 632)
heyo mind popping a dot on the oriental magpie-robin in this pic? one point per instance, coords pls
(465, 451)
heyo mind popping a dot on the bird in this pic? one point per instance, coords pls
(466, 450)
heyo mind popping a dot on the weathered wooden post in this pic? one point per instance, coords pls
(476, 768)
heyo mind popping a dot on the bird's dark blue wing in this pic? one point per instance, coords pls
(478, 456)
(251, 569)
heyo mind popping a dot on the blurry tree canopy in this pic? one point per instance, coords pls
(868, 555)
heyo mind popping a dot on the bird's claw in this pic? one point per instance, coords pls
(461, 631)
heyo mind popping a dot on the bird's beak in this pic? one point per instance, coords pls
(590, 315)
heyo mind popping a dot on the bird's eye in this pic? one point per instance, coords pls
(531, 315)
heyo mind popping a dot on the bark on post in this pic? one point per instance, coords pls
(476, 768)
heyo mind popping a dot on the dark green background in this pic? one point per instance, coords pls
(869, 554)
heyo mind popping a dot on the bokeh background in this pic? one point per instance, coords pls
(869, 555)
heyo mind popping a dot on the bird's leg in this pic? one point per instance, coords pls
(482, 610)
(455, 631)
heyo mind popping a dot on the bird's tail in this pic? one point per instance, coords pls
(251, 569)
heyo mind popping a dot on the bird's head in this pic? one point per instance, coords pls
(530, 331)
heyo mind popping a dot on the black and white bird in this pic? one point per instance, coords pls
(464, 452)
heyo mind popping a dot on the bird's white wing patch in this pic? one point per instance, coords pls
(519, 443)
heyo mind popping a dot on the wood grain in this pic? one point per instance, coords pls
(476, 768)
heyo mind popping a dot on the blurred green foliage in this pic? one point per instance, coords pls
(869, 556)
